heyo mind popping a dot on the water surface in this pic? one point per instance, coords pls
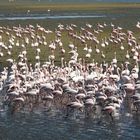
(40, 125)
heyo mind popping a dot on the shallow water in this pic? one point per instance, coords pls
(127, 18)
(41, 125)
(37, 17)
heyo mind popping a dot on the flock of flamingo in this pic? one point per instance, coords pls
(74, 87)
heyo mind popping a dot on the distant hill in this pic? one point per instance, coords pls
(32, 2)
(91, 1)
(69, 1)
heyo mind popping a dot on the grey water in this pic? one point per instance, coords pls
(41, 125)
(49, 17)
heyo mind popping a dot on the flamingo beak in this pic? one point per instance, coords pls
(81, 109)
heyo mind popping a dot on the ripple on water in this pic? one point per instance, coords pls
(42, 126)
(49, 17)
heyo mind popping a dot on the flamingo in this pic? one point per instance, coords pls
(127, 55)
(114, 61)
(102, 54)
(103, 43)
(74, 85)
(75, 105)
(97, 49)
(109, 110)
(122, 47)
(138, 25)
